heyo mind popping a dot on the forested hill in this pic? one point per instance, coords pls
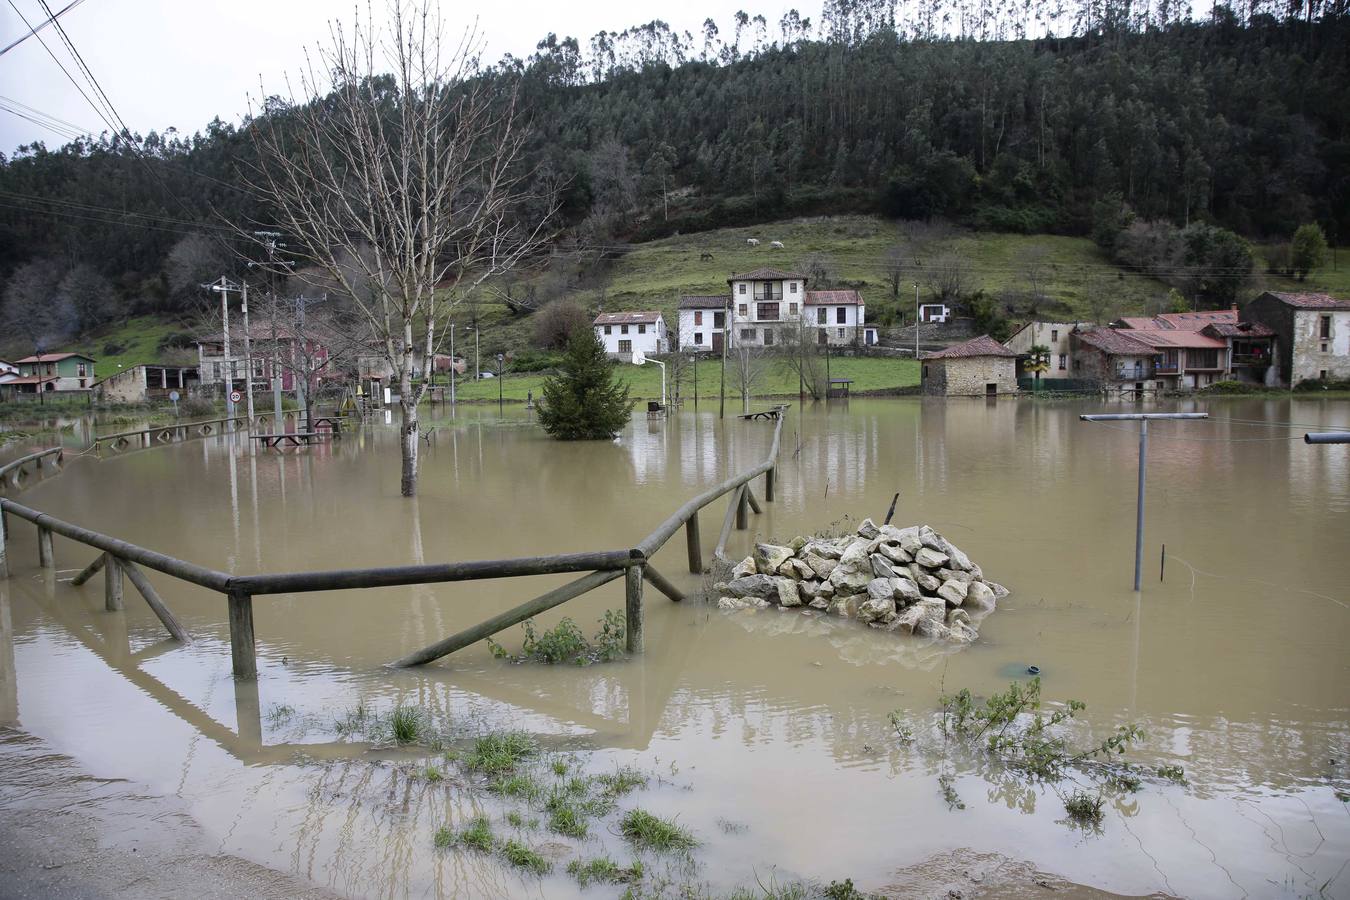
(1239, 120)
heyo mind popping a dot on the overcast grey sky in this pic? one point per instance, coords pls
(181, 62)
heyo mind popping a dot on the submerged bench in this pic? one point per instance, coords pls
(295, 438)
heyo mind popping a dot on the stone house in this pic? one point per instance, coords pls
(1055, 336)
(1312, 332)
(979, 367)
(625, 332)
(280, 354)
(1115, 360)
(768, 307)
(1187, 358)
(1252, 351)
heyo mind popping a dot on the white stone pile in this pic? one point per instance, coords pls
(911, 580)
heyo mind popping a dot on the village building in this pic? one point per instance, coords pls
(702, 323)
(282, 353)
(148, 381)
(1252, 351)
(1312, 332)
(837, 317)
(53, 373)
(763, 302)
(8, 370)
(625, 333)
(935, 313)
(979, 367)
(1186, 358)
(1114, 360)
(1052, 335)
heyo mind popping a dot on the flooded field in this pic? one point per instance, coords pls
(766, 734)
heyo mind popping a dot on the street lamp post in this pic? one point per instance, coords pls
(640, 358)
(501, 358)
(693, 361)
(916, 321)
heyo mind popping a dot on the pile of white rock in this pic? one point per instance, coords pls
(911, 580)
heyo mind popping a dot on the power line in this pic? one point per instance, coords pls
(33, 31)
(61, 66)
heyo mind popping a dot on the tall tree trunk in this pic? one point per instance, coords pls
(408, 435)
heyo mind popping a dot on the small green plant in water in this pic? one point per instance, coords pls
(622, 781)
(518, 785)
(649, 832)
(1172, 773)
(406, 723)
(477, 836)
(432, 774)
(523, 857)
(559, 767)
(565, 643)
(497, 754)
(949, 794)
(444, 837)
(567, 820)
(1085, 808)
(603, 870)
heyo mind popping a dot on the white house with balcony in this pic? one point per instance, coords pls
(623, 333)
(766, 302)
(703, 323)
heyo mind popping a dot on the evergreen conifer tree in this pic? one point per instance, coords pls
(585, 400)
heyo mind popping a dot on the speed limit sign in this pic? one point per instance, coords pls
(235, 396)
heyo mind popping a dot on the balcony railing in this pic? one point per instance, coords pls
(1251, 359)
(1131, 373)
(1167, 368)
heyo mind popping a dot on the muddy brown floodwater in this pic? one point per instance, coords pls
(769, 730)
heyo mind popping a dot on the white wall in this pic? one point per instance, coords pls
(688, 329)
(653, 341)
(1054, 335)
(1308, 359)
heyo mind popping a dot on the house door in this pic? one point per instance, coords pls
(717, 342)
(822, 338)
(991, 390)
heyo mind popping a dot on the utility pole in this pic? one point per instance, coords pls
(722, 380)
(248, 354)
(1143, 420)
(223, 286)
(477, 376)
(916, 321)
(452, 368)
(270, 240)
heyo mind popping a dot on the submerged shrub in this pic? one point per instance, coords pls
(649, 832)
(565, 643)
(497, 754)
(1084, 808)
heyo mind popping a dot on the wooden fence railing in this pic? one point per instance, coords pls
(15, 471)
(165, 434)
(601, 567)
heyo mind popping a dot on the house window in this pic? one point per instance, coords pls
(792, 287)
(719, 319)
(841, 334)
(766, 312)
(792, 309)
(82, 371)
(743, 310)
(1077, 365)
(1322, 375)
(822, 316)
(625, 346)
(51, 369)
(768, 337)
(740, 288)
(841, 316)
(608, 329)
(747, 334)
(642, 328)
(1062, 360)
(257, 368)
(81, 382)
(698, 337)
(623, 329)
(216, 369)
(1325, 332)
(698, 317)
(1054, 336)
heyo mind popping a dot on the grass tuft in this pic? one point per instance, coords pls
(523, 857)
(1084, 808)
(407, 723)
(444, 837)
(518, 785)
(649, 832)
(623, 781)
(478, 836)
(433, 774)
(603, 870)
(567, 820)
(497, 754)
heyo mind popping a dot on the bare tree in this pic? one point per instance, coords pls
(895, 262)
(1034, 265)
(193, 261)
(554, 324)
(32, 315)
(415, 176)
(948, 278)
(750, 364)
(800, 353)
(819, 269)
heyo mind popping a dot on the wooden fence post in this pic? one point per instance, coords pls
(242, 650)
(633, 608)
(46, 556)
(691, 535)
(769, 477)
(742, 510)
(112, 584)
(4, 533)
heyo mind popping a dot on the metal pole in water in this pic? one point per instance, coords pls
(1139, 503)
(1327, 437)
(1143, 420)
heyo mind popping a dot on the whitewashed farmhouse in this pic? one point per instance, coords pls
(624, 332)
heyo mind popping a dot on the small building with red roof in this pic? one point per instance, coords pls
(979, 367)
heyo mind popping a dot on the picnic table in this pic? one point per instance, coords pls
(294, 438)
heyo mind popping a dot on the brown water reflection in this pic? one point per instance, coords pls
(1235, 664)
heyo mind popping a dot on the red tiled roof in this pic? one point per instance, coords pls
(627, 318)
(1160, 339)
(54, 357)
(1310, 301)
(983, 345)
(690, 301)
(766, 274)
(1237, 329)
(833, 298)
(1185, 321)
(1114, 341)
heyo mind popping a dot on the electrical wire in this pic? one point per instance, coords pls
(12, 44)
